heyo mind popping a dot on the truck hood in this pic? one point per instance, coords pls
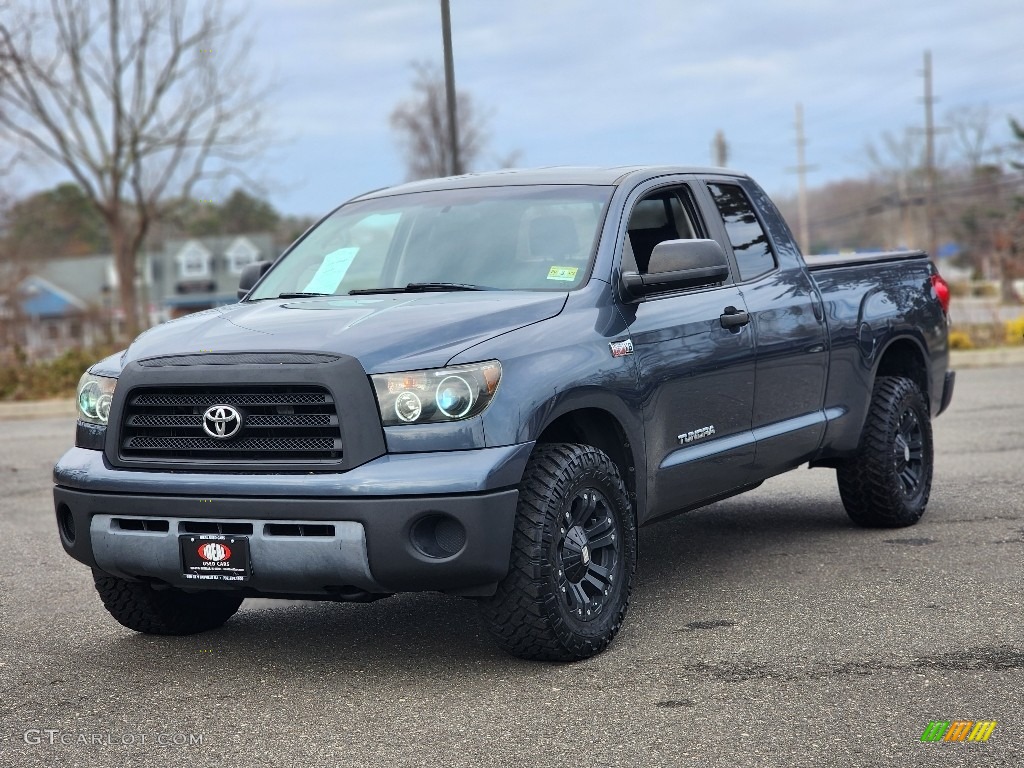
(386, 332)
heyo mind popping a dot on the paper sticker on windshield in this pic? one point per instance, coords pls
(332, 271)
(563, 273)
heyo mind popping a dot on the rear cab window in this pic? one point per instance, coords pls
(750, 245)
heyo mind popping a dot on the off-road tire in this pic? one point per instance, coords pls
(139, 606)
(887, 484)
(574, 519)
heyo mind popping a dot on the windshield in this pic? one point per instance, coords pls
(537, 238)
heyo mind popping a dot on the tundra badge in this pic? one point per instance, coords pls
(697, 434)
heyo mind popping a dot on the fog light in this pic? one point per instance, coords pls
(66, 524)
(438, 536)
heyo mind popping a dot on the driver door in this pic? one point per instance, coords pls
(696, 375)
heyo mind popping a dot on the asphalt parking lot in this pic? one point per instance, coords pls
(764, 631)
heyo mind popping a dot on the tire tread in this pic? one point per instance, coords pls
(867, 485)
(137, 606)
(523, 615)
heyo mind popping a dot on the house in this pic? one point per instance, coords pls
(73, 302)
(201, 273)
(64, 304)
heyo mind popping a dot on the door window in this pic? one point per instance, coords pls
(661, 216)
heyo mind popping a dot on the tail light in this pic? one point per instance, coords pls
(941, 288)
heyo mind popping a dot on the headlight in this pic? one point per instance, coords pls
(94, 396)
(443, 394)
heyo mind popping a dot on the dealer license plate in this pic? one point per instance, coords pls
(214, 557)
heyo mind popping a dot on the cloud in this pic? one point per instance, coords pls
(578, 81)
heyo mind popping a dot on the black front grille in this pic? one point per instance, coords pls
(279, 423)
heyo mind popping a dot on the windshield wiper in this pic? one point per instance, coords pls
(421, 287)
(301, 295)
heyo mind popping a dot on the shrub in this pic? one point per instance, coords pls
(1015, 331)
(986, 290)
(959, 290)
(23, 380)
(960, 340)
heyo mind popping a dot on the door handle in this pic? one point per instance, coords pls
(819, 313)
(733, 318)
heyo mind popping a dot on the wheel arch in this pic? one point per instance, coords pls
(905, 356)
(597, 426)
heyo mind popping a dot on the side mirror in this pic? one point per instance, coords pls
(251, 274)
(676, 265)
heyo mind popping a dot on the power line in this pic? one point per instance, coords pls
(890, 201)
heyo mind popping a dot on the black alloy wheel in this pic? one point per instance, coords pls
(886, 484)
(588, 553)
(573, 555)
(908, 451)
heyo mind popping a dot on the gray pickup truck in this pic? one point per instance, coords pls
(484, 385)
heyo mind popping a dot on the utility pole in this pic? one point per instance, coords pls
(449, 88)
(929, 155)
(801, 169)
(720, 150)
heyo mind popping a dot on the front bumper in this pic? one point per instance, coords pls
(369, 536)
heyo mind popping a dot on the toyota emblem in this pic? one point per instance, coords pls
(222, 421)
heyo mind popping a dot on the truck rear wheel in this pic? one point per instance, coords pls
(887, 484)
(170, 611)
(573, 556)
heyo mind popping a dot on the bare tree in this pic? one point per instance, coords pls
(970, 129)
(898, 164)
(421, 125)
(136, 100)
(13, 271)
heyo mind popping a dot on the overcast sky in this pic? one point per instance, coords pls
(606, 82)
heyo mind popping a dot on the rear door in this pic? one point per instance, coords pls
(788, 327)
(696, 376)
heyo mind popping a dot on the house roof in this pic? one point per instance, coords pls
(217, 244)
(86, 277)
(41, 298)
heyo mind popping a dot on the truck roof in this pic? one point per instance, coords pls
(597, 176)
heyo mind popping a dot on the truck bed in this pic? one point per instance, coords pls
(832, 260)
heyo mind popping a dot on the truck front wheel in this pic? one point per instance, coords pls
(887, 484)
(170, 611)
(573, 557)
